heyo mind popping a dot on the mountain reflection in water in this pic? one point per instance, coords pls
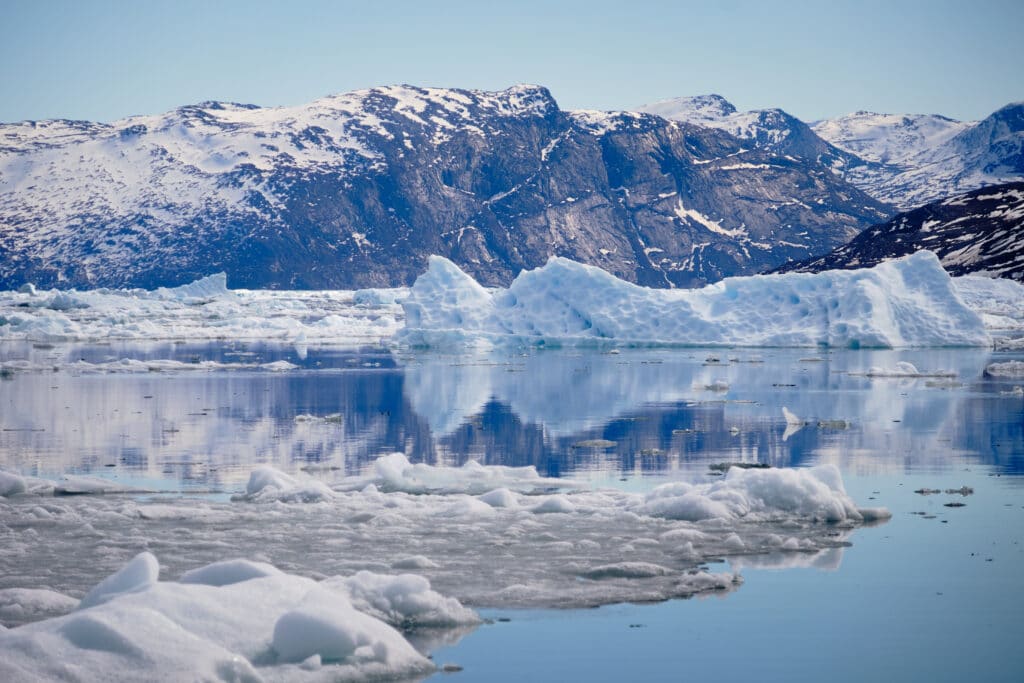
(566, 412)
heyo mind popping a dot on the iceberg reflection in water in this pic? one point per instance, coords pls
(566, 412)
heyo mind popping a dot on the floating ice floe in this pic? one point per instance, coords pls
(906, 369)
(267, 483)
(394, 472)
(136, 366)
(204, 309)
(1011, 368)
(234, 621)
(12, 484)
(902, 303)
(815, 494)
(518, 544)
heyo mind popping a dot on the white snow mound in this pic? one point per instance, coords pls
(277, 627)
(902, 303)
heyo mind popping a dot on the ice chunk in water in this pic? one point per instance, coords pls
(268, 483)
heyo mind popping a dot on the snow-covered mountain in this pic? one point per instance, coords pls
(358, 189)
(896, 139)
(978, 232)
(925, 158)
(771, 130)
(904, 160)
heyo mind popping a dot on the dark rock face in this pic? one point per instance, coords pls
(357, 190)
(981, 231)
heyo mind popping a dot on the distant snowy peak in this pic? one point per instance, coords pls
(923, 158)
(702, 109)
(906, 160)
(993, 146)
(889, 138)
(981, 232)
(771, 130)
(766, 127)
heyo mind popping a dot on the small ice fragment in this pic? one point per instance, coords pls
(1012, 368)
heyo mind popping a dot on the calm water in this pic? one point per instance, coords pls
(933, 596)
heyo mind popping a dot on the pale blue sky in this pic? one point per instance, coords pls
(105, 60)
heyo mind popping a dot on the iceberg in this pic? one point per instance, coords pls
(909, 302)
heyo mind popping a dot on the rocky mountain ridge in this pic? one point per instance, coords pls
(904, 160)
(357, 189)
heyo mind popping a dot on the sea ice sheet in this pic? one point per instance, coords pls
(523, 543)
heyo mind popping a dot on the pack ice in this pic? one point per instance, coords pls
(204, 309)
(481, 535)
(902, 303)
